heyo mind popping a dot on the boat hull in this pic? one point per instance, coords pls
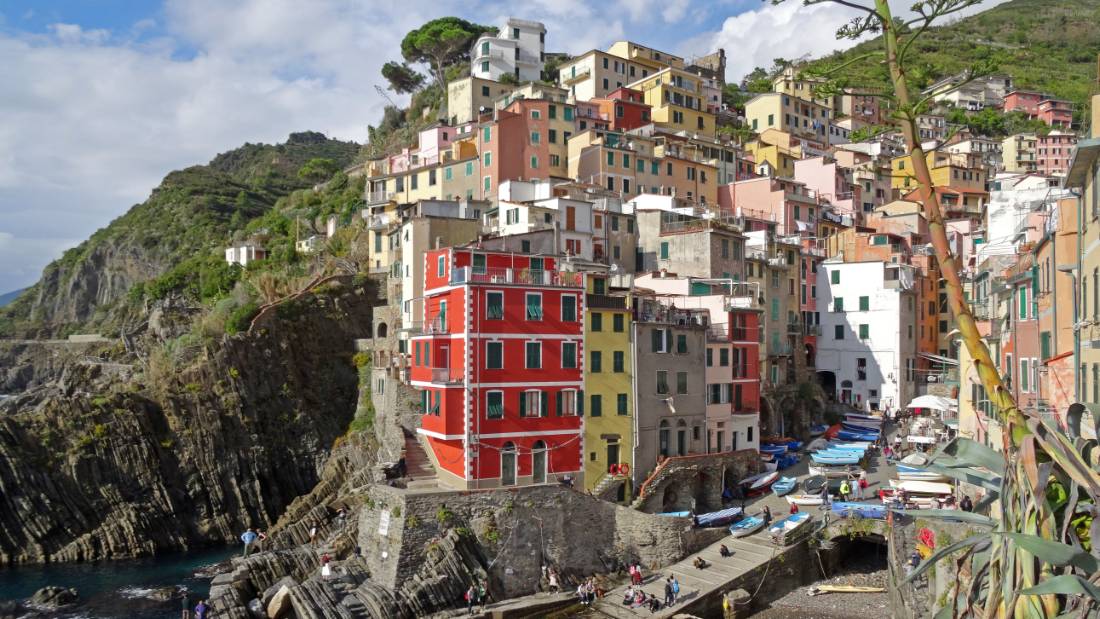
(747, 526)
(805, 499)
(791, 529)
(784, 486)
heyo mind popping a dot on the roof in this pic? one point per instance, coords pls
(1084, 157)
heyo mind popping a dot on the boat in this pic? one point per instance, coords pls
(922, 487)
(784, 485)
(853, 426)
(823, 589)
(814, 484)
(827, 458)
(862, 510)
(921, 476)
(794, 446)
(771, 467)
(866, 418)
(835, 470)
(719, 518)
(759, 482)
(848, 435)
(787, 461)
(805, 499)
(774, 450)
(915, 459)
(746, 526)
(675, 514)
(818, 430)
(790, 529)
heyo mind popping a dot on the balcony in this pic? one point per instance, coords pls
(605, 301)
(717, 333)
(811, 330)
(577, 77)
(559, 279)
(794, 328)
(379, 222)
(448, 375)
(434, 327)
(781, 349)
(380, 197)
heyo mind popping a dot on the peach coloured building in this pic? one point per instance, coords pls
(1053, 152)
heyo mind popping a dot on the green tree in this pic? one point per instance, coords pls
(317, 169)
(402, 78)
(441, 42)
(757, 81)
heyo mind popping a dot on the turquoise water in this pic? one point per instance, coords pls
(118, 589)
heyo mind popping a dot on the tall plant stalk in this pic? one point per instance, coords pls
(1021, 575)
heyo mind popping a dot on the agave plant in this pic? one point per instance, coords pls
(1032, 560)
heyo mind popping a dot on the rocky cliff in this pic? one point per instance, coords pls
(103, 457)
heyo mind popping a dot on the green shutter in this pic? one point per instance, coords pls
(580, 403)
(835, 275)
(775, 309)
(1044, 344)
(560, 396)
(838, 304)
(864, 332)
(681, 344)
(656, 340)
(664, 250)
(544, 403)
(597, 362)
(597, 406)
(622, 406)
(522, 403)
(1023, 303)
(534, 307)
(1024, 375)
(864, 304)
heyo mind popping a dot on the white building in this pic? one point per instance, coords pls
(309, 244)
(867, 342)
(518, 50)
(982, 92)
(571, 219)
(244, 253)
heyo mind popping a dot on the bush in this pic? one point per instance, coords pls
(361, 359)
(240, 318)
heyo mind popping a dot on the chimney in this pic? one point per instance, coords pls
(438, 242)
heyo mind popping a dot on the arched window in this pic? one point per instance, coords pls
(382, 330)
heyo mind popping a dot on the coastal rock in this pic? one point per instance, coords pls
(269, 594)
(11, 609)
(53, 597)
(279, 604)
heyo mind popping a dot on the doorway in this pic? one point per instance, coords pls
(538, 462)
(681, 439)
(508, 465)
(612, 454)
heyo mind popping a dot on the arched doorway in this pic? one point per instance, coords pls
(508, 464)
(669, 498)
(663, 438)
(538, 462)
(681, 438)
(382, 331)
(828, 383)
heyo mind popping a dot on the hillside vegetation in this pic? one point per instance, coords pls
(1046, 45)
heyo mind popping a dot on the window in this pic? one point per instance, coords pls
(532, 404)
(1023, 303)
(555, 160)
(681, 382)
(710, 357)
(864, 304)
(597, 321)
(478, 264)
(568, 308)
(838, 332)
(569, 355)
(660, 340)
(838, 304)
(536, 138)
(566, 403)
(864, 331)
(617, 321)
(723, 357)
(861, 368)
(662, 381)
(534, 356)
(494, 404)
(534, 306)
(596, 405)
(596, 364)
(681, 344)
(568, 114)
(626, 161)
(488, 159)
(494, 355)
(835, 275)
(534, 162)
(440, 266)
(664, 250)
(448, 174)
(610, 158)
(621, 405)
(618, 361)
(1024, 376)
(486, 134)
(484, 66)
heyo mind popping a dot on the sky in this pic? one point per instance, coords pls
(102, 98)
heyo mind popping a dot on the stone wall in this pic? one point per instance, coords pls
(921, 598)
(519, 531)
(695, 482)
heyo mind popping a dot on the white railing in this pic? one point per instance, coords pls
(565, 279)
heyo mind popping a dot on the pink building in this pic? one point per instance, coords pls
(1054, 151)
(830, 182)
(1039, 106)
(784, 201)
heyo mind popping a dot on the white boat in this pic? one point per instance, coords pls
(864, 420)
(746, 526)
(915, 459)
(757, 482)
(771, 467)
(922, 487)
(790, 529)
(835, 471)
(805, 499)
(920, 476)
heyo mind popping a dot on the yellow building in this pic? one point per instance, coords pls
(948, 170)
(801, 118)
(645, 56)
(677, 101)
(778, 148)
(608, 380)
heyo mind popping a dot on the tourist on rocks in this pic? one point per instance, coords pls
(654, 604)
(554, 586)
(914, 561)
(261, 537)
(186, 605)
(639, 599)
(700, 563)
(966, 504)
(482, 595)
(638, 573)
(676, 588)
(725, 552)
(628, 596)
(248, 537)
(669, 599)
(633, 574)
(471, 597)
(202, 610)
(312, 535)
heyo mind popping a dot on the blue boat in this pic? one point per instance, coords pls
(825, 458)
(784, 485)
(675, 514)
(718, 518)
(790, 529)
(844, 448)
(848, 435)
(794, 445)
(862, 510)
(818, 430)
(773, 449)
(855, 427)
(746, 526)
(786, 461)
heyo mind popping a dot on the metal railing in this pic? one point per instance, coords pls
(811, 330)
(378, 197)
(377, 222)
(782, 349)
(564, 279)
(448, 375)
(604, 301)
(718, 333)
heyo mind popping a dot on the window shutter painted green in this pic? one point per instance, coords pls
(864, 304)
(544, 404)
(559, 401)
(656, 340)
(522, 403)
(835, 275)
(580, 403)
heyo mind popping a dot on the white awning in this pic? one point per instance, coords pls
(934, 402)
(939, 359)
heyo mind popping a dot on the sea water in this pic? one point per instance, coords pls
(118, 589)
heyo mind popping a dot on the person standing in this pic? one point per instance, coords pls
(794, 508)
(966, 504)
(856, 494)
(845, 490)
(186, 605)
(675, 589)
(554, 587)
(248, 537)
(471, 597)
(767, 515)
(312, 535)
(201, 610)
(668, 592)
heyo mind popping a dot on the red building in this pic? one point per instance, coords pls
(1054, 151)
(498, 362)
(1039, 106)
(624, 109)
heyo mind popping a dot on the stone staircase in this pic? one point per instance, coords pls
(607, 485)
(418, 466)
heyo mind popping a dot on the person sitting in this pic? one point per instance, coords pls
(654, 603)
(639, 598)
(628, 597)
(700, 563)
(725, 552)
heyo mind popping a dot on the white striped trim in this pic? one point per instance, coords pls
(504, 336)
(456, 437)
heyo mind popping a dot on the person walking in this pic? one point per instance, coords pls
(471, 597)
(201, 610)
(767, 514)
(633, 575)
(668, 591)
(312, 535)
(638, 573)
(553, 578)
(248, 537)
(857, 495)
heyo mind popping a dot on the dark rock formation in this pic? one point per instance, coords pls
(53, 597)
(92, 469)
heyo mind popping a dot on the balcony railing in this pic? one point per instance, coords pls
(741, 334)
(814, 330)
(562, 279)
(604, 301)
(377, 222)
(782, 349)
(380, 197)
(448, 375)
(794, 328)
(433, 327)
(717, 333)
(582, 74)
